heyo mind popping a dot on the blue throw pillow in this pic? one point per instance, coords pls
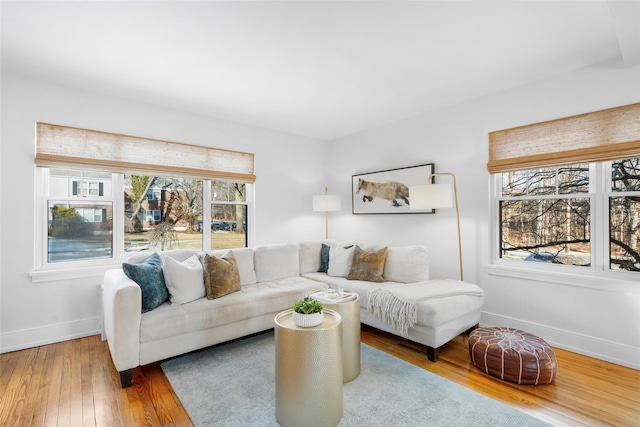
(324, 258)
(148, 275)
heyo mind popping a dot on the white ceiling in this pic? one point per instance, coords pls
(322, 69)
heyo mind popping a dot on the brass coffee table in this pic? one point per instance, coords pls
(308, 371)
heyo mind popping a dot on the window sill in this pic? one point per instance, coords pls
(40, 276)
(590, 280)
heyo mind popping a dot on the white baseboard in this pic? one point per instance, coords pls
(33, 337)
(598, 348)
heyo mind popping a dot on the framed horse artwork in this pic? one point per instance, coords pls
(387, 192)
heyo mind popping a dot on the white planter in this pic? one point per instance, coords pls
(307, 320)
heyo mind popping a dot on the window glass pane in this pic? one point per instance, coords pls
(625, 174)
(229, 215)
(79, 183)
(547, 230)
(624, 234)
(162, 213)
(547, 181)
(542, 181)
(79, 230)
(515, 183)
(573, 179)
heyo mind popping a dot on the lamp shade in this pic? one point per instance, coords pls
(326, 203)
(431, 196)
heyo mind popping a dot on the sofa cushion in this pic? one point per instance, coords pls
(252, 301)
(221, 275)
(148, 275)
(184, 280)
(367, 265)
(340, 259)
(274, 262)
(406, 264)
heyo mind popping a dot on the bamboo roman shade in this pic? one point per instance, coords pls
(593, 137)
(66, 146)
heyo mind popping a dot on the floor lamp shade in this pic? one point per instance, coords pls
(431, 196)
(326, 203)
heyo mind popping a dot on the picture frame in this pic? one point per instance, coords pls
(387, 191)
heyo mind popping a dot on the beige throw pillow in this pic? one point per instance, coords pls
(221, 275)
(367, 265)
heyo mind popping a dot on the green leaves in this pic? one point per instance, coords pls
(307, 306)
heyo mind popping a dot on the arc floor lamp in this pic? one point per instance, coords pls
(438, 196)
(327, 203)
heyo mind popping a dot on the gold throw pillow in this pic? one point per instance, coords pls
(221, 275)
(368, 266)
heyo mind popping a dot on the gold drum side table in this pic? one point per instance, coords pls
(308, 371)
(350, 312)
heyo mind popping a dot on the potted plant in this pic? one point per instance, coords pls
(307, 312)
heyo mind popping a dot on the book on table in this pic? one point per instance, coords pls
(332, 296)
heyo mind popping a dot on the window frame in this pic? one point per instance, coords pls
(48, 271)
(598, 274)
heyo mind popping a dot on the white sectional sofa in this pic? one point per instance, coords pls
(271, 279)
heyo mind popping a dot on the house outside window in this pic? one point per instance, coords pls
(87, 222)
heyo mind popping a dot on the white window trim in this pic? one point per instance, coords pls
(45, 272)
(597, 275)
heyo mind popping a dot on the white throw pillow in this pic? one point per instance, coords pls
(406, 264)
(184, 280)
(340, 260)
(244, 259)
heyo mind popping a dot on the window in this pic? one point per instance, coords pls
(567, 191)
(549, 215)
(84, 225)
(95, 211)
(78, 221)
(228, 214)
(545, 215)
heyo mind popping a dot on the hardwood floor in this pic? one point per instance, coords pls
(74, 383)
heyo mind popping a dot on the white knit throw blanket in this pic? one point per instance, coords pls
(397, 304)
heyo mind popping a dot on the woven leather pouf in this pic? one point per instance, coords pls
(512, 355)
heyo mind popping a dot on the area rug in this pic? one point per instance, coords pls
(233, 385)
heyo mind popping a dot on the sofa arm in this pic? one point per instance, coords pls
(122, 308)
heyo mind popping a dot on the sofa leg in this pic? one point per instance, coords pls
(126, 378)
(471, 329)
(432, 354)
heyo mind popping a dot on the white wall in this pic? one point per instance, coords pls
(600, 323)
(289, 170)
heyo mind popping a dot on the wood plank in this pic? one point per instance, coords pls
(54, 384)
(33, 386)
(88, 408)
(16, 389)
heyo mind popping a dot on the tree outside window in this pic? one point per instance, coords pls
(545, 215)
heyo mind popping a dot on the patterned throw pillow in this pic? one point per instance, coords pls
(148, 275)
(221, 275)
(368, 266)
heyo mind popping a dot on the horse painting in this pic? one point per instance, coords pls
(392, 191)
